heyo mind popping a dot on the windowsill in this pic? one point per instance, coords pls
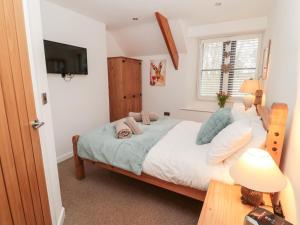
(214, 99)
(196, 109)
(208, 104)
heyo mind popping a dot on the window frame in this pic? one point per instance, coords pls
(201, 42)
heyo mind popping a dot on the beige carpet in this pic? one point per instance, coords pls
(106, 198)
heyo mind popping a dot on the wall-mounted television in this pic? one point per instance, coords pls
(65, 59)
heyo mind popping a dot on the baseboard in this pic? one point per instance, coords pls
(61, 218)
(64, 157)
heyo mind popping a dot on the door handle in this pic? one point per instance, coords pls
(36, 124)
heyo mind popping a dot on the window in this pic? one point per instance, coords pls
(226, 63)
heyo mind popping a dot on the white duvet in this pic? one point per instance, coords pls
(178, 159)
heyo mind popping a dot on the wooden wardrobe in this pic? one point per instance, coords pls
(125, 86)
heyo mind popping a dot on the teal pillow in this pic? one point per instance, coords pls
(217, 122)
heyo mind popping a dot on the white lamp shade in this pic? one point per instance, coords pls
(257, 171)
(250, 86)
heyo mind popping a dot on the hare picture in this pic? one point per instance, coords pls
(157, 72)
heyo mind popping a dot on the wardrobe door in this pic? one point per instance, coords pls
(138, 81)
(22, 169)
(132, 85)
(116, 96)
(137, 90)
(128, 86)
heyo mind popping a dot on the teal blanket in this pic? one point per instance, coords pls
(128, 154)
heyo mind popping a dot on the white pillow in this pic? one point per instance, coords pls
(239, 113)
(258, 140)
(228, 141)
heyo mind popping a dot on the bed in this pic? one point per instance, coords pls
(175, 162)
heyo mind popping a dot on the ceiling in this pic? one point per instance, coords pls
(134, 42)
(119, 13)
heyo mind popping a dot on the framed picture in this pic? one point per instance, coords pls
(158, 72)
(266, 61)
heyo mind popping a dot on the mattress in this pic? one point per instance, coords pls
(101, 145)
(178, 159)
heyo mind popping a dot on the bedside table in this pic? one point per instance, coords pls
(222, 205)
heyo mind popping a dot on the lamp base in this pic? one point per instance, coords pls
(248, 101)
(251, 197)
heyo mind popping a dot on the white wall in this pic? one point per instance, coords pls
(146, 38)
(180, 91)
(113, 48)
(229, 28)
(40, 84)
(283, 85)
(81, 104)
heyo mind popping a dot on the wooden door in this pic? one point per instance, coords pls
(128, 86)
(115, 68)
(23, 193)
(132, 85)
(137, 86)
(5, 217)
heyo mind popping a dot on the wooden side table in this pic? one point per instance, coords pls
(222, 205)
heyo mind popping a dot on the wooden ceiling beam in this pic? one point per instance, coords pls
(167, 34)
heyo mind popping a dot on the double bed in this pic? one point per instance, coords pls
(174, 161)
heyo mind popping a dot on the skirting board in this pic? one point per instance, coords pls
(64, 157)
(61, 218)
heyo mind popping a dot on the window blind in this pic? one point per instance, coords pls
(211, 68)
(246, 52)
(243, 59)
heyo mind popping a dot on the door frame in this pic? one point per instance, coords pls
(34, 33)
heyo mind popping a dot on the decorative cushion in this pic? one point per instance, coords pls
(217, 122)
(134, 127)
(228, 141)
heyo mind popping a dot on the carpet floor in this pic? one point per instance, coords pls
(107, 198)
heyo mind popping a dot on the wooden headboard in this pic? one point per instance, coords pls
(274, 120)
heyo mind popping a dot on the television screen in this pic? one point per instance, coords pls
(65, 59)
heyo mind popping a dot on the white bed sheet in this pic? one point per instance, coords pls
(178, 159)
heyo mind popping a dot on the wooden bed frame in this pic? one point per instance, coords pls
(274, 120)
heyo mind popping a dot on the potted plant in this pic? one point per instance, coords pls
(222, 98)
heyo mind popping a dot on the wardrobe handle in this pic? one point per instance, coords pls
(133, 96)
(124, 96)
(141, 94)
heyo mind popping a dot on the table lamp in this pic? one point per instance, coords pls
(257, 173)
(249, 87)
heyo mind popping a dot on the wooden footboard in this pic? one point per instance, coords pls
(79, 165)
(180, 189)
